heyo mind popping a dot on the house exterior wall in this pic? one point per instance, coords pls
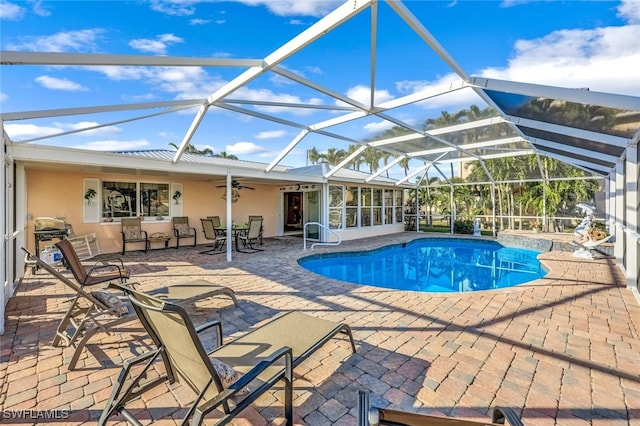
(56, 193)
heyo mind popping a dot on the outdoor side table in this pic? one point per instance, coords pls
(159, 238)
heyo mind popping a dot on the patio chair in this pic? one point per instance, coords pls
(132, 232)
(231, 376)
(261, 218)
(102, 311)
(372, 416)
(251, 236)
(182, 230)
(217, 226)
(99, 273)
(210, 234)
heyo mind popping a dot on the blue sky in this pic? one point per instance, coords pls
(593, 44)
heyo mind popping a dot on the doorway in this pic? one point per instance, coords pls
(293, 212)
(300, 208)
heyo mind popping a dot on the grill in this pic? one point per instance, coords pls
(48, 228)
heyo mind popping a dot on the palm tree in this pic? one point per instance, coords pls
(333, 156)
(223, 154)
(313, 156)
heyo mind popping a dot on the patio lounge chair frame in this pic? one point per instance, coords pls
(373, 416)
(182, 230)
(97, 274)
(132, 232)
(208, 228)
(293, 337)
(86, 315)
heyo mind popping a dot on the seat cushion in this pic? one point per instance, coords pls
(183, 229)
(131, 233)
(112, 302)
(228, 375)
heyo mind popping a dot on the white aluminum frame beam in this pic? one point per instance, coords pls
(311, 34)
(574, 150)
(604, 138)
(88, 59)
(581, 96)
(47, 113)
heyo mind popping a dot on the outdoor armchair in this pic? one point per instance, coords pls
(252, 235)
(217, 226)
(182, 230)
(231, 376)
(99, 273)
(210, 234)
(132, 232)
(261, 225)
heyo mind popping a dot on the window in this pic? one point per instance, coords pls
(388, 206)
(365, 209)
(398, 205)
(131, 199)
(336, 203)
(377, 206)
(362, 206)
(351, 202)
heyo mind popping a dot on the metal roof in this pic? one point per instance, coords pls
(586, 129)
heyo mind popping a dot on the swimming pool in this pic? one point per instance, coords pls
(439, 265)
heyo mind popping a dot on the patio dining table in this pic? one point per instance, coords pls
(236, 231)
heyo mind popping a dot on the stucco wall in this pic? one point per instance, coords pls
(55, 193)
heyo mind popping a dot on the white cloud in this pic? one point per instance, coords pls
(40, 10)
(19, 132)
(197, 21)
(107, 130)
(459, 98)
(174, 7)
(114, 145)
(11, 11)
(297, 7)
(630, 11)
(273, 134)
(378, 127)
(268, 95)
(59, 84)
(604, 59)
(244, 148)
(77, 41)
(3, 97)
(362, 94)
(158, 46)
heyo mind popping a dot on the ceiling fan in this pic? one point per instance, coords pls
(236, 185)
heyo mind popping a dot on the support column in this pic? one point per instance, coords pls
(631, 215)
(618, 217)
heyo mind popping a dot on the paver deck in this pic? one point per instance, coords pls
(563, 350)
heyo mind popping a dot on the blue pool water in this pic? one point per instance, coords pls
(432, 265)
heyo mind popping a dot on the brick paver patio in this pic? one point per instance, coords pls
(563, 350)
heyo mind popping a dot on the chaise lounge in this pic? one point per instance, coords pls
(231, 376)
(102, 311)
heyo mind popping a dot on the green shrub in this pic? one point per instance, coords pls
(463, 227)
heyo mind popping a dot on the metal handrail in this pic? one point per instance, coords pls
(304, 236)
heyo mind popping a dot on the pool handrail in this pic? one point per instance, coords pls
(321, 243)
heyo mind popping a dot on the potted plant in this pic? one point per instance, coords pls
(176, 196)
(90, 195)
